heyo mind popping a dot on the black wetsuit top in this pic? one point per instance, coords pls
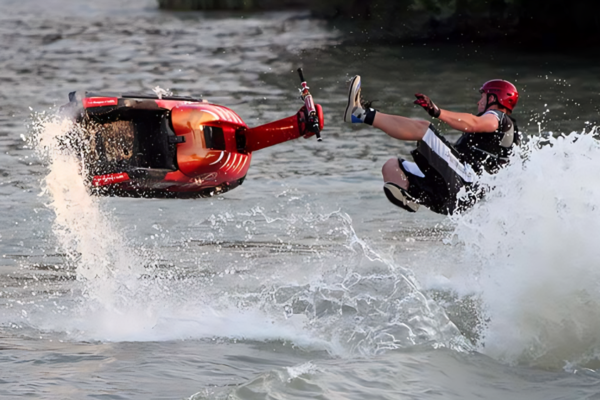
(489, 150)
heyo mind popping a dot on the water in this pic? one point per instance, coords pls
(304, 282)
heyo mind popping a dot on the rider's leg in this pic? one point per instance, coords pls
(396, 182)
(396, 186)
(400, 127)
(392, 172)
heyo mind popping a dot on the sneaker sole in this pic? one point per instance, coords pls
(354, 88)
(398, 197)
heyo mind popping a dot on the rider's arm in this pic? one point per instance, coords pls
(468, 122)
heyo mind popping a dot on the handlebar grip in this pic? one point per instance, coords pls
(301, 75)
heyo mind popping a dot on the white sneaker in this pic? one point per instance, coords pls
(399, 197)
(354, 112)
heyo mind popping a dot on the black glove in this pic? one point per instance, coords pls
(428, 105)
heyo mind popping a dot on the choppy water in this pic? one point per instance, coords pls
(304, 282)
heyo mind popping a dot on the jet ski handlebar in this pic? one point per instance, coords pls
(312, 123)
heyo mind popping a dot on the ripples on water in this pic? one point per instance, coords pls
(304, 282)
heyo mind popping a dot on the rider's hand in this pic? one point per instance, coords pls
(303, 123)
(428, 105)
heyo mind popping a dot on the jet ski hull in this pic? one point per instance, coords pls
(146, 146)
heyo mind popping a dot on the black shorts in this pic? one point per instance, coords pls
(438, 174)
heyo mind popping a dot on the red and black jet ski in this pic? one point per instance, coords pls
(156, 146)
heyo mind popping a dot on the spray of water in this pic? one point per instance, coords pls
(160, 92)
(360, 301)
(105, 265)
(531, 254)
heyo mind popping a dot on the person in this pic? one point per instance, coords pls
(441, 169)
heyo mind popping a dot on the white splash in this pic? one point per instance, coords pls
(531, 250)
(104, 262)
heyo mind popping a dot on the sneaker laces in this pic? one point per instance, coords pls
(365, 104)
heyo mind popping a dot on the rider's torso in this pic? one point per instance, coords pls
(490, 150)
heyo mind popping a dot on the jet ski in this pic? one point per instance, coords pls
(136, 145)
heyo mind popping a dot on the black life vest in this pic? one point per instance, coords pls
(489, 150)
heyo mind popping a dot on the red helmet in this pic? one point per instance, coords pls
(505, 92)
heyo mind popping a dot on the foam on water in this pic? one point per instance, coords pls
(531, 254)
